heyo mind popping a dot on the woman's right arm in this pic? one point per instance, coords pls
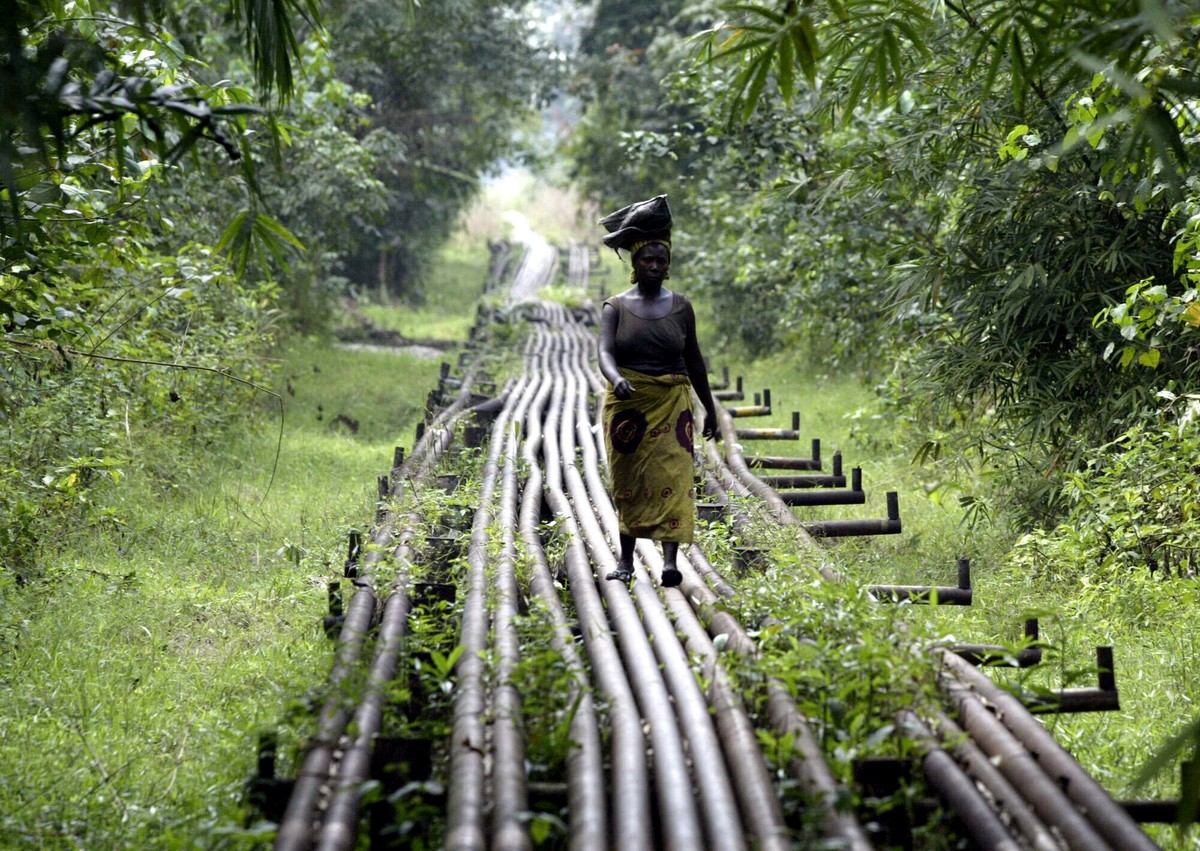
(622, 389)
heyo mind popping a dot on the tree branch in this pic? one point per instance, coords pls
(184, 366)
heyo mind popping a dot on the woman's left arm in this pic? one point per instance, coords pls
(698, 375)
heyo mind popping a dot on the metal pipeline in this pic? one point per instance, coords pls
(756, 793)
(956, 790)
(339, 828)
(706, 742)
(509, 780)
(719, 808)
(811, 769)
(295, 828)
(465, 798)
(787, 462)
(313, 778)
(680, 820)
(1102, 811)
(1021, 767)
(630, 782)
(737, 464)
(585, 762)
(1004, 795)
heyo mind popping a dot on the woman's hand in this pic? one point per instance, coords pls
(711, 429)
(622, 389)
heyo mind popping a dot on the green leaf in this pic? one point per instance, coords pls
(270, 225)
(786, 65)
(230, 234)
(808, 49)
(763, 63)
(760, 11)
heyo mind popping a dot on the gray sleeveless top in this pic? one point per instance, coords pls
(652, 346)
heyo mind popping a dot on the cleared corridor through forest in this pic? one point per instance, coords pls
(662, 750)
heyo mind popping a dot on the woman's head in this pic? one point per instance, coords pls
(651, 262)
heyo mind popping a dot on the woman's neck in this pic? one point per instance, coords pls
(650, 291)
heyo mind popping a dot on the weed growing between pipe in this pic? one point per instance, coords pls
(1081, 603)
(850, 664)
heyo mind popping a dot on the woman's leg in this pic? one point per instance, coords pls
(627, 544)
(624, 571)
(671, 576)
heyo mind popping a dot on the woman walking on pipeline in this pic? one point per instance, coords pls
(651, 357)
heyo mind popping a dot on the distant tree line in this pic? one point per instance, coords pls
(180, 182)
(987, 208)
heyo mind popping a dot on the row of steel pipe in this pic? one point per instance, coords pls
(719, 799)
(296, 827)
(663, 663)
(734, 737)
(301, 820)
(758, 799)
(323, 804)
(956, 789)
(509, 782)
(339, 828)
(680, 821)
(943, 773)
(814, 772)
(630, 786)
(656, 681)
(809, 768)
(1054, 785)
(945, 776)
(1003, 794)
(586, 801)
(465, 806)
(975, 693)
(757, 796)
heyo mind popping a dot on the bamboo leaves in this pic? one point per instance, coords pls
(253, 234)
(861, 54)
(769, 43)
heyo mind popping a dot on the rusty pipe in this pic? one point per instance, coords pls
(956, 790)
(1110, 820)
(465, 796)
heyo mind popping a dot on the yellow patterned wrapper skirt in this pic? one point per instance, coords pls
(649, 442)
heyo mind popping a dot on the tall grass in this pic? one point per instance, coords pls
(1147, 620)
(139, 673)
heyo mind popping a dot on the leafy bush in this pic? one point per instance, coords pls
(110, 378)
(1136, 505)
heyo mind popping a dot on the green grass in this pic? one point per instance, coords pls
(1149, 622)
(139, 673)
(447, 309)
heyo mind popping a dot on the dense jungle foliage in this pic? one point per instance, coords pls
(987, 210)
(184, 182)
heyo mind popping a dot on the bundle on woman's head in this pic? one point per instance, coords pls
(636, 226)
